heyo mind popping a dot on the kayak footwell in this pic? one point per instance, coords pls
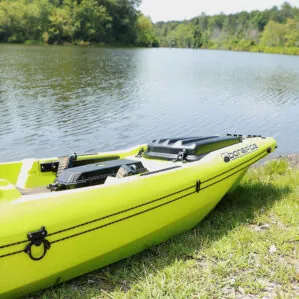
(31, 191)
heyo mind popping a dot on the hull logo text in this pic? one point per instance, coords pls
(238, 153)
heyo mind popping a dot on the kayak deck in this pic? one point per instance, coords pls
(33, 176)
(38, 176)
(152, 167)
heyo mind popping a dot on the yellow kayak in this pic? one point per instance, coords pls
(63, 217)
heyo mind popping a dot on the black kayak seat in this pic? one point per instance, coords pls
(188, 148)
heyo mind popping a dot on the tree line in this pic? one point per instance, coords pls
(75, 21)
(120, 22)
(271, 30)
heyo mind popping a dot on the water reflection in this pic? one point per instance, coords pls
(57, 100)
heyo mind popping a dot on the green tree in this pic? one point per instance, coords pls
(292, 33)
(12, 21)
(90, 21)
(273, 35)
(275, 28)
(119, 21)
(197, 37)
(184, 36)
(59, 21)
(145, 31)
(61, 27)
(124, 17)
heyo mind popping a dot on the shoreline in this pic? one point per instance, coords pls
(276, 51)
(293, 160)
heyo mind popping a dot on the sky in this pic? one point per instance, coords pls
(166, 10)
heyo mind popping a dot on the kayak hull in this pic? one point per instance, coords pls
(92, 227)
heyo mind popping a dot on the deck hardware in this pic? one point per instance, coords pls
(49, 166)
(37, 238)
(226, 159)
(141, 151)
(181, 155)
(198, 186)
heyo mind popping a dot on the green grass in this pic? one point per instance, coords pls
(246, 248)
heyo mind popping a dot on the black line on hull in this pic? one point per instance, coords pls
(216, 176)
(12, 253)
(116, 221)
(149, 202)
(153, 208)
(125, 218)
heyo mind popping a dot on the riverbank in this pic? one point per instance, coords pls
(252, 49)
(246, 248)
(258, 49)
(293, 160)
(255, 49)
(268, 50)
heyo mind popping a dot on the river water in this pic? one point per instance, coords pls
(59, 100)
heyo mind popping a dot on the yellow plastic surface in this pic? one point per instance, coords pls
(118, 220)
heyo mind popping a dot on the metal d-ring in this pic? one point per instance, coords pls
(47, 246)
(37, 238)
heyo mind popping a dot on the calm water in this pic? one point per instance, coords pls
(59, 100)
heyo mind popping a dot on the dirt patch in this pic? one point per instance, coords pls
(293, 160)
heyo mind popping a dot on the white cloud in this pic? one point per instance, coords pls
(165, 10)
